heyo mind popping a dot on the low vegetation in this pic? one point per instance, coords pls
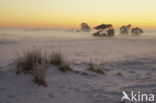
(36, 63)
(40, 74)
(94, 67)
(56, 58)
(65, 67)
(27, 60)
(33, 62)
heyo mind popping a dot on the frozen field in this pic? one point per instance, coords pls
(134, 57)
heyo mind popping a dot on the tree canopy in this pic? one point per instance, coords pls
(136, 31)
(103, 26)
(125, 29)
(85, 27)
(104, 30)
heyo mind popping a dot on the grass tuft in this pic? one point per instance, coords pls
(65, 67)
(33, 62)
(56, 58)
(27, 61)
(94, 67)
(40, 74)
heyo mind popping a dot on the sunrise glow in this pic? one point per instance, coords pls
(70, 13)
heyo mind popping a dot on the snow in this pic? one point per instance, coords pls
(134, 57)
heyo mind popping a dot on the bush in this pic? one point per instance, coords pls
(56, 58)
(27, 60)
(97, 68)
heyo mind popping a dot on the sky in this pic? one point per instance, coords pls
(71, 13)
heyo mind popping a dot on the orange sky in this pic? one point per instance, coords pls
(70, 13)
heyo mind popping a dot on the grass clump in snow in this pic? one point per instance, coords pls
(27, 61)
(58, 59)
(94, 67)
(65, 67)
(40, 73)
(33, 62)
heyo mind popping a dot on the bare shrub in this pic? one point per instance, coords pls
(94, 67)
(56, 58)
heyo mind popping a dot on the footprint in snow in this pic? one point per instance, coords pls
(10, 96)
(3, 89)
(131, 71)
(50, 95)
(7, 101)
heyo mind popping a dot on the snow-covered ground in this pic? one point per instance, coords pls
(133, 57)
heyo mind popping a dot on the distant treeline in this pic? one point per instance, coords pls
(109, 31)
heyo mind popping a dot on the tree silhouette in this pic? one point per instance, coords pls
(85, 27)
(136, 31)
(102, 26)
(125, 29)
(104, 30)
